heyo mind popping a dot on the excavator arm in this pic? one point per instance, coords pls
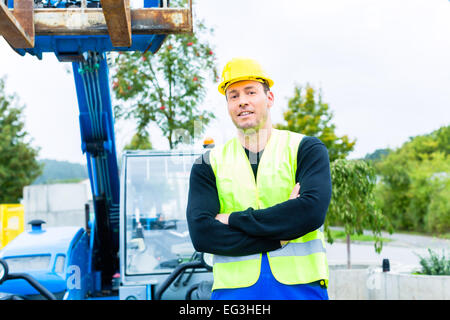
(98, 143)
(81, 32)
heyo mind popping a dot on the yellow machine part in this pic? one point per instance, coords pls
(11, 222)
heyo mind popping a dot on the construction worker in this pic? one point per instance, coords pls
(259, 201)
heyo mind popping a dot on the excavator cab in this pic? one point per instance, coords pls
(157, 257)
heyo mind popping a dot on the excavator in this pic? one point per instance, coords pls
(137, 245)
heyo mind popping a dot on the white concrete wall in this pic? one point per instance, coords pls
(56, 204)
(348, 284)
(406, 286)
(365, 282)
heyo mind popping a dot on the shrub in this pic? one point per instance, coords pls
(435, 265)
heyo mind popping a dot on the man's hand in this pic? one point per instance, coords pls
(295, 192)
(223, 217)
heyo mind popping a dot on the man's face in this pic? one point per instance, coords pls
(248, 104)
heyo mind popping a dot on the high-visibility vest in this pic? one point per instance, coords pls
(302, 260)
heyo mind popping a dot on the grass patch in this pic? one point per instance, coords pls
(341, 235)
(445, 236)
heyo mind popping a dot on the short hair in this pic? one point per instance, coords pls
(265, 85)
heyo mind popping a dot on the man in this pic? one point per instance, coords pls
(258, 202)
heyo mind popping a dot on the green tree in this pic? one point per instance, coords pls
(438, 215)
(353, 203)
(414, 183)
(167, 87)
(139, 142)
(377, 155)
(18, 164)
(55, 171)
(309, 115)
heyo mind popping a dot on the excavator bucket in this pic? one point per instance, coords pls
(25, 21)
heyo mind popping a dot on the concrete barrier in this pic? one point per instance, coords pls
(369, 282)
(395, 285)
(348, 284)
(56, 204)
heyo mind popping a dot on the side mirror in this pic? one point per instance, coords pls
(3, 271)
(207, 260)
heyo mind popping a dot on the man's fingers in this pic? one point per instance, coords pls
(222, 218)
(295, 192)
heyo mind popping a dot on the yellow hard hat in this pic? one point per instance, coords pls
(239, 69)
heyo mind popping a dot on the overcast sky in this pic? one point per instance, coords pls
(383, 67)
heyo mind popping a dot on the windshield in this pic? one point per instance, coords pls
(28, 263)
(156, 191)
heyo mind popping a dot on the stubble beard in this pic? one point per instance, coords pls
(252, 127)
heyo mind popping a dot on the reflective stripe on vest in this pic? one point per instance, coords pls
(291, 249)
(299, 249)
(225, 259)
(302, 260)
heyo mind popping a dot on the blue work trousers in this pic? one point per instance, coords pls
(268, 288)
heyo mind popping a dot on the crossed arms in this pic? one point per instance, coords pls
(254, 231)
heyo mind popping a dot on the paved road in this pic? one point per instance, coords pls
(402, 251)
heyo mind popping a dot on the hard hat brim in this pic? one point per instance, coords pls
(223, 86)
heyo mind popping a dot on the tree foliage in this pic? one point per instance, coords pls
(353, 203)
(139, 142)
(414, 190)
(18, 164)
(55, 171)
(309, 115)
(377, 155)
(167, 87)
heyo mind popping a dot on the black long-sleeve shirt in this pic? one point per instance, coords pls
(259, 230)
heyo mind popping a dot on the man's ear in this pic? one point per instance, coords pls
(270, 98)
